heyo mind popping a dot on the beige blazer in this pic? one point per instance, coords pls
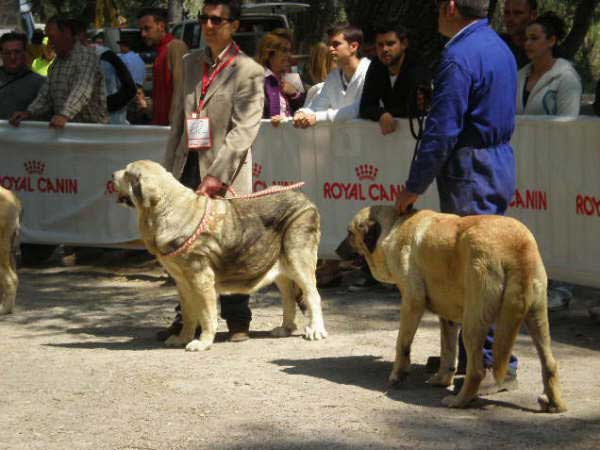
(234, 104)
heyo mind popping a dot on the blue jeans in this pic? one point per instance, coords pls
(488, 359)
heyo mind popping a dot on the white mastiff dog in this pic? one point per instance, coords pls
(217, 246)
(10, 213)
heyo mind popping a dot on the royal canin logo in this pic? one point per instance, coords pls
(530, 199)
(366, 172)
(34, 181)
(259, 185)
(33, 167)
(587, 205)
(361, 191)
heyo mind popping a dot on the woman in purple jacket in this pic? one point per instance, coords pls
(282, 99)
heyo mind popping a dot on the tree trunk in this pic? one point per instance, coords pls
(10, 14)
(419, 16)
(492, 10)
(310, 26)
(584, 14)
(175, 8)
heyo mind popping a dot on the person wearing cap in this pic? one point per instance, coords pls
(34, 48)
(41, 64)
(134, 63)
(139, 111)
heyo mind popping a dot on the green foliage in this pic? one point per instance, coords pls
(587, 59)
(419, 16)
(309, 27)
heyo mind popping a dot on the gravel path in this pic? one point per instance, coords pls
(79, 369)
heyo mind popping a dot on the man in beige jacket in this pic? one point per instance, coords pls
(223, 97)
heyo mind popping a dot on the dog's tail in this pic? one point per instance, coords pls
(521, 291)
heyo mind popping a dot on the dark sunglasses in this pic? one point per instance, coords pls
(215, 20)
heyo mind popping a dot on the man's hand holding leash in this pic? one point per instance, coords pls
(405, 201)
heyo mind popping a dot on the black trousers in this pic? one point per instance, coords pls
(233, 307)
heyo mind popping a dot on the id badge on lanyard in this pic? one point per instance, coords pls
(198, 128)
(198, 131)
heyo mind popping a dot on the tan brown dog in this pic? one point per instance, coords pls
(474, 271)
(10, 212)
(245, 245)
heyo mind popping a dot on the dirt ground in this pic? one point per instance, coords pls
(80, 369)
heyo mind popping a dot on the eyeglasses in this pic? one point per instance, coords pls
(215, 20)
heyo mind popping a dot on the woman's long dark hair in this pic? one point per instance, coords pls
(553, 26)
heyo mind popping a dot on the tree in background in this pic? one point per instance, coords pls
(582, 44)
(9, 14)
(310, 26)
(420, 16)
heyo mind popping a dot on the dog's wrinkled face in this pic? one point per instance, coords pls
(136, 184)
(363, 233)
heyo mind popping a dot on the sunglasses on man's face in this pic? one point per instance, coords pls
(215, 20)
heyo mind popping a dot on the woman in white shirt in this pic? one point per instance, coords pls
(548, 85)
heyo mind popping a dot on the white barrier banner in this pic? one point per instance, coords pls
(351, 165)
(63, 178)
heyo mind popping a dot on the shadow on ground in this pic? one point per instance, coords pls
(455, 430)
(370, 372)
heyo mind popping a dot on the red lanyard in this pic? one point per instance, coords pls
(207, 80)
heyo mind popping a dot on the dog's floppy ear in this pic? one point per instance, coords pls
(142, 196)
(371, 231)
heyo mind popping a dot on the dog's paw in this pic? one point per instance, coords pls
(315, 333)
(197, 346)
(176, 341)
(282, 332)
(551, 407)
(396, 379)
(454, 401)
(441, 379)
(4, 310)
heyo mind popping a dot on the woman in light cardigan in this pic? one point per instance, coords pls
(548, 85)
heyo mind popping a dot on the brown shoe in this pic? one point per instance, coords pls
(238, 331)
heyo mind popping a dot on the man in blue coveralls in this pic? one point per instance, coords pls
(466, 141)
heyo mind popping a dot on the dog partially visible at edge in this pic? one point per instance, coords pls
(10, 218)
(245, 244)
(475, 271)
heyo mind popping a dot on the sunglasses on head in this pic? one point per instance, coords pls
(215, 20)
